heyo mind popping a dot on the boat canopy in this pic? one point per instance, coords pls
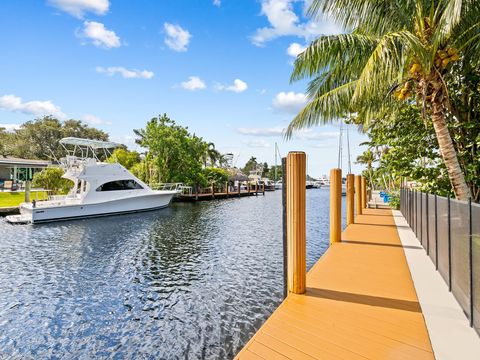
(93, 144)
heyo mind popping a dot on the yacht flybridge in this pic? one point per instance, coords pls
(99, 188)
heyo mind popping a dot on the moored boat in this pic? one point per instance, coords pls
(99, 188)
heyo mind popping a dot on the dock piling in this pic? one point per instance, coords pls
(350, 198)
(335, 205)
(364, 192)
(28, 186)
(296, 222)
(358, 194)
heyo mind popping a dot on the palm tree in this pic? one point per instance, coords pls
(368, 158)
(211, 154)
(397, 49)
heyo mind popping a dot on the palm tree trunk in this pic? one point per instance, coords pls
(447, 150)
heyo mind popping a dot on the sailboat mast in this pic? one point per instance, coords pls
(340, 148)
(275, 179)
(348, 149)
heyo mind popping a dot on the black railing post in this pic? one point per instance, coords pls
(428, 235)
(416, 214)
(436, 235)
(470, 257)
(411, 210)
(421, 219)
(449, 248)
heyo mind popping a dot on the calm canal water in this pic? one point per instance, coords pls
(192, 281)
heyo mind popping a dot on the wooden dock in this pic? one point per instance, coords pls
(254, 191)
(360, 303)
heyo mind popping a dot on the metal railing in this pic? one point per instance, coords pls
(449, 231)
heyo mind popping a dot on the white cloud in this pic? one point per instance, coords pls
(127, 140)
(193, 83)
(310, 134)
(289, 102)
(295, 49)
(177, 38)
(217, 2)
(273, 131)
(10, 127)
(304, 134)
(238, 86)
(258, 143)
(285, 22)
(126, 73)
(35, 107)
(95, 120)
(99, 35)
(78, 8)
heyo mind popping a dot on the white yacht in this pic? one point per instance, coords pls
(99, 188)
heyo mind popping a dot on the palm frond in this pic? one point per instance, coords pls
(323, 109)
(328, 51)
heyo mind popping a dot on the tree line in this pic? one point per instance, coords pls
(172, 154)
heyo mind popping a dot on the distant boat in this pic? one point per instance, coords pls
(99, 189)
(278, 185)
(268, 184)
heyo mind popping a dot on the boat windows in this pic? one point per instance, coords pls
(120, 185)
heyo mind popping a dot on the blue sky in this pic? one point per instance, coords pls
(221, 68)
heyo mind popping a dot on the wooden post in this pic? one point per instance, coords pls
(358, 194)
(239, 187)
(28, 186)
(296, 222)
(364, 192)
(263, 189)
(213, 191)
(350, 198)
(335, 205)
(226, 188)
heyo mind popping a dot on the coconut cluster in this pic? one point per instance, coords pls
(404, 92)
(444, 57)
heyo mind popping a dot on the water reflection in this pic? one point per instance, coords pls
(192, 281)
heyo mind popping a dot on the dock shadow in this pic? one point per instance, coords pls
(378, 301)
(382, 244)
(379, 225)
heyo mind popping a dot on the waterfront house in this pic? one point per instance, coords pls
(16, 170)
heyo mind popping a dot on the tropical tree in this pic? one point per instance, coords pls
(211, 154)
(6, 142)
(368, 158)
(250, 165)
(39, 139)
(397, 51)
(174, 155)
(126, 158)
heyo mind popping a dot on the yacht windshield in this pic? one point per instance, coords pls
(120, 185)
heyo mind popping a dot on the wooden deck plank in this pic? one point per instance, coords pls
(360, 302)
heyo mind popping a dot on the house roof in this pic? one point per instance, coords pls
(11, 161)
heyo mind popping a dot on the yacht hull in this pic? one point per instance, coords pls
(105, 208)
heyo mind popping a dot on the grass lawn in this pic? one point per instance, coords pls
(15, 198)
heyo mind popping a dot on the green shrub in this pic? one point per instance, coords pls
(394, 199)
(51, 179)
(215, 175)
